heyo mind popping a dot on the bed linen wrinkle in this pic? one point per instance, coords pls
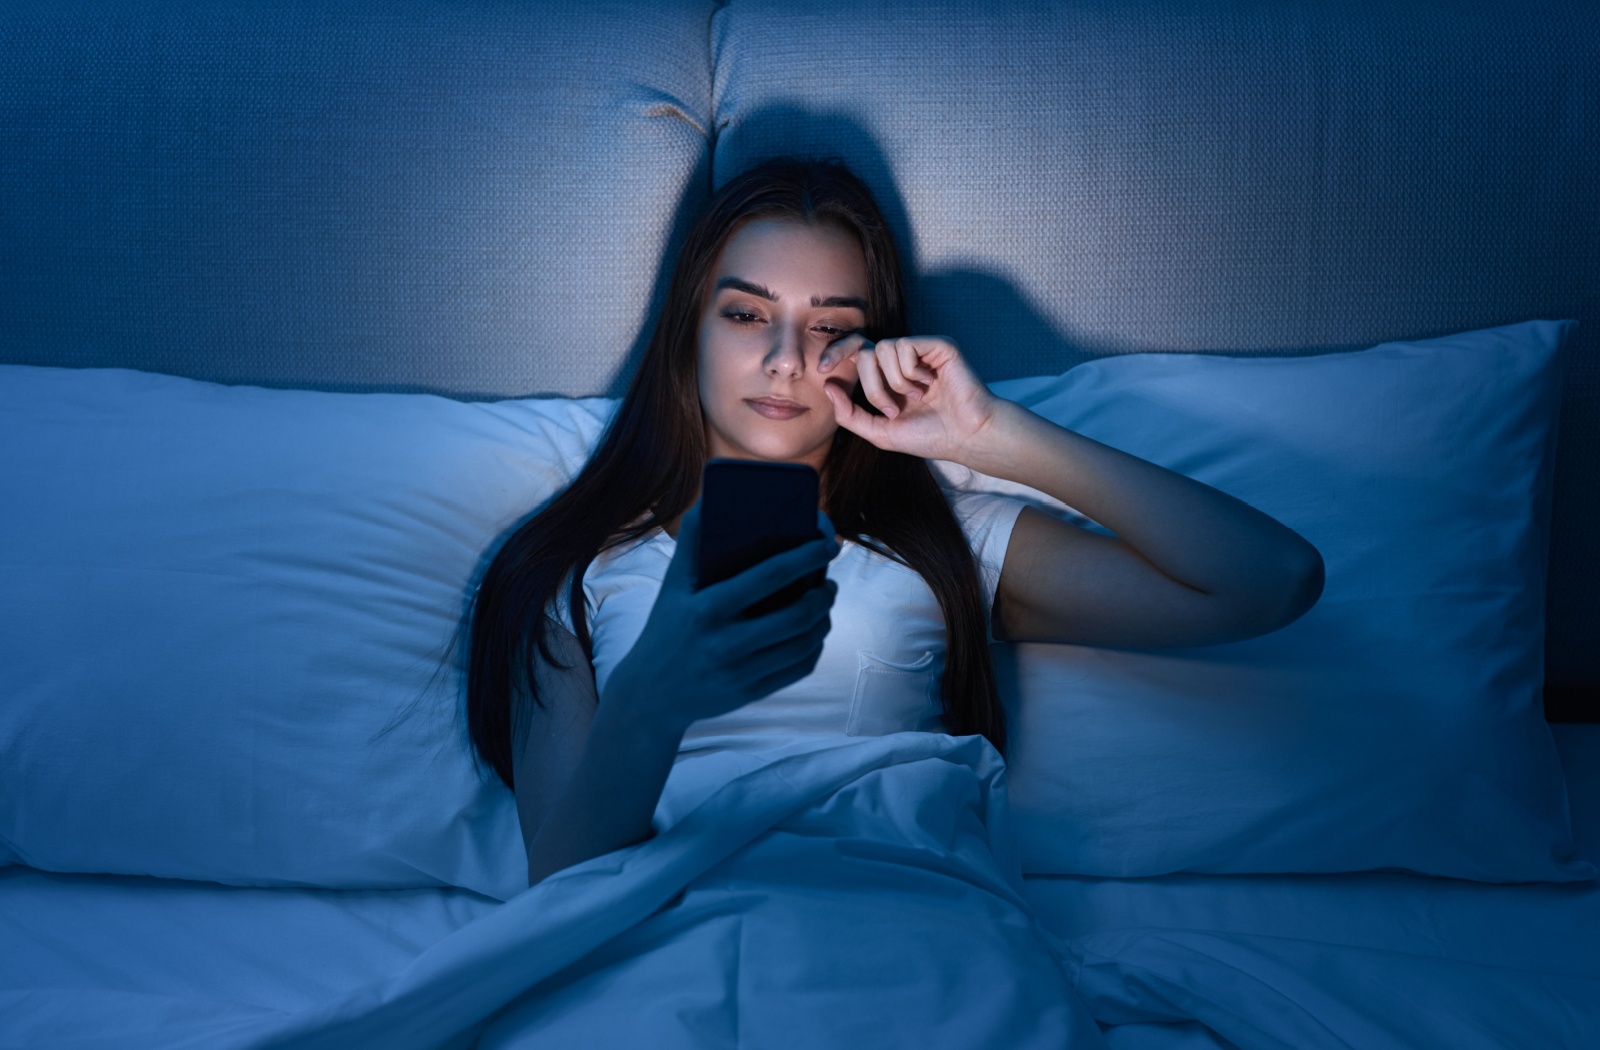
(1456, 963)
(44, 1019)
(742, 897)
(91, 957)
(1170, 1035)
(1146, 998)
(751, 805)
(1363, 998)
(688, 961)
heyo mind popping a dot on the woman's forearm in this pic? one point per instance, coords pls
(1197, 535)
(612, 794)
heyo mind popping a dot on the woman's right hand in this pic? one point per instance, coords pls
(697, 659)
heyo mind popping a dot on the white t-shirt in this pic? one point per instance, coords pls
(881, 664)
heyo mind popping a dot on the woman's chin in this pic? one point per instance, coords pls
(784, 449)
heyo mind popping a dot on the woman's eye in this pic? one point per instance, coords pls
(745, 317)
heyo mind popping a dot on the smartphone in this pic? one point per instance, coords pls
(749, 511)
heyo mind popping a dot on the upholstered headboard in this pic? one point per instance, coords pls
(478, 198)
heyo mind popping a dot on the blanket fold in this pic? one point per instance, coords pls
(840, 892)
(832, 892)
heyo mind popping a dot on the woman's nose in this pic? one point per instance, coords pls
(786, 357)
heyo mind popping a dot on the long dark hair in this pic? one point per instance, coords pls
(649, 460)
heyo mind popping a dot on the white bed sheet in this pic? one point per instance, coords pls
(1490, 965)
(815, 887)
(287, 949)
(281, 949)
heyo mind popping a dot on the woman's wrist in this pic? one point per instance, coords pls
(610, 799)
(632, 727)
(628, 718)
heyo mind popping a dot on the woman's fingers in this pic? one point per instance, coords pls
(781, 675)
(892, 373)
(841, 350)
(727, 599)
(888, 357)
(872, 384)
(906, 360)
(801, 615)
(790, 630)
(911, 365)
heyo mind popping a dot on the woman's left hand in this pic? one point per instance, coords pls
(933, 405)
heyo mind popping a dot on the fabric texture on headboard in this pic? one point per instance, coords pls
(402, 195)
(476, 199)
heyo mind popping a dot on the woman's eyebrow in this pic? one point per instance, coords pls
(741, 285)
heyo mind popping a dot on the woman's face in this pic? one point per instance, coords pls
(780, 292)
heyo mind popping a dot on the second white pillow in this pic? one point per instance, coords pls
(1399, 723)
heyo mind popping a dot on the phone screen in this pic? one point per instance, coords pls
(749, 511)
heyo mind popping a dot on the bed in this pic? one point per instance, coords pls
(303, 305)
(1311, 960)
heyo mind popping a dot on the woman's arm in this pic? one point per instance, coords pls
(551, 734)
(1188, 565)
(697, 657)
(585, 785)
(610, 797)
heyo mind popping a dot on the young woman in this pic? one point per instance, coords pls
(593, 662)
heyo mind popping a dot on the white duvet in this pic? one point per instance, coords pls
(858, 892)
(852, 892)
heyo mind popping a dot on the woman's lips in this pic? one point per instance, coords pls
(772, 411)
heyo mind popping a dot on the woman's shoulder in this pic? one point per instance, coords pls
(626, 566)
(969, 503)
(982, 514)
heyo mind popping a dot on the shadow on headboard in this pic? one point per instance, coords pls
(1571, 703)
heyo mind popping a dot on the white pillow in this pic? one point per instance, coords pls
(214, 600)
(1398, 724)
(216, 597)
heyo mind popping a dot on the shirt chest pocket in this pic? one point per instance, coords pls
(895, 697)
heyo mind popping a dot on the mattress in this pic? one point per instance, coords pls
(1378, 957)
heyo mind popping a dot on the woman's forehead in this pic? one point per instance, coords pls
(783, 256)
